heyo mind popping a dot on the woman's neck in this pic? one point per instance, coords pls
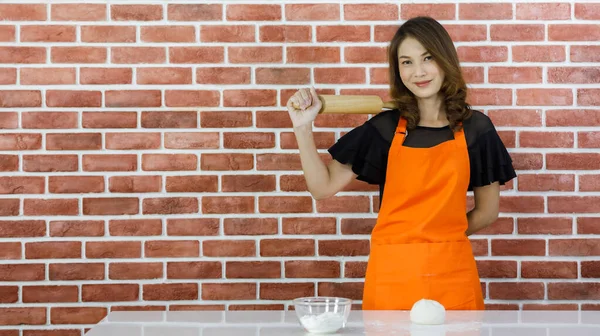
(432, 112)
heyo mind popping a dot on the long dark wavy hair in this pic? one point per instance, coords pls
(436, 40)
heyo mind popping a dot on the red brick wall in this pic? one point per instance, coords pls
(148, 162)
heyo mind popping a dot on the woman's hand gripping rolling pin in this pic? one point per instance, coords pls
(303, 107)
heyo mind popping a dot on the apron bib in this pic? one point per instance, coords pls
(419, 249)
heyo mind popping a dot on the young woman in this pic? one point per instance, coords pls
(425, 155)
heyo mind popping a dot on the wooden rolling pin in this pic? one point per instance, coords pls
(352, 104)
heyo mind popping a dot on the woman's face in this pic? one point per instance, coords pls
(418, 70)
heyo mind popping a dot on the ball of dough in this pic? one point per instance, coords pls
(428, 312)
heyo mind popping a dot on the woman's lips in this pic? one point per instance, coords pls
(422, 84)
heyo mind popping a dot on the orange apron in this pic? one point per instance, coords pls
(419, 248)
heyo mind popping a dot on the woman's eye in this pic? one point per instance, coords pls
(406, 62)
(428, 58)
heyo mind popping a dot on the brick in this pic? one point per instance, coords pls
(22, 141)
(7, 33)
(10, 163)
(574, 161)
(170, 205)
(224, 205)
(517, 75)
(346, 247)
(351, 290)
(53, 250)
(587, 11)
(518, 247)
(167, 119)
(282, 76)
(286, 291)
(49, 120)
(185, 140)
(588, 97)
(22, 228)
(135, 227)
(171, 34)
(76, 271)
(227, 161)
(221, 248)
(227, 34)
(253, 12)
(546, 182)
(50, 207)
(517, 32)
(74, 141)
(195, 12)
(313, 55)
(22, 55)
(136, 12)
(253, 270)
(363, 55)
(246, 98)
(485, 11)
(83, 228)
(312, 12)
(134, 184)
(117, 249)
(246, 140)
(355, 269)
(196, 55)
(573, 75)
(340, 75)
(285, 33)
(75, 184)
(154, 76)
(436, 11)
(9, 207)
(9, 294)
(523, 204)
(574, 247)
(23, 12)
(255, 54)
(169, 162)
(172, 248)
(223, 75)
(175, 307)
(190, 183)
(285, 204)
(589, 182)
(590, 269)
(497, 268)
(554, 226)
(108, 34)
(588, 225)
(351, 226)
(343, 33)
(22, 185)
(345, 204)
(359, 12)
(109, 293)
(8, 76)
(545, 97)
(77, 315)
(466, 32)
(20, 98)
(516, 291)
(588, 140)
(516, 117)
(573, 32)
(194, 270)
(312, 269)
(49, 163)
(20, 316)
(585, 53)
(48, 33)
(192, 98)
(549, 269)
(78, 12)
(138, 55)
(135, 271)
(567, 204)
(574, 291)
(193, 227)
(248, 183)
(250, 226)
(111, 206)
(43, 294)
(134, 140)
(229, 291)
(536, 53)
(543, 11)
(68, 98)
(302, 225)
(287, 247)
(100, 76)
(485, 54)
(257, 307)
(133, 98)
(546, 139)
(74, 55)
(572, 117)
(125, 162)
(22, 272)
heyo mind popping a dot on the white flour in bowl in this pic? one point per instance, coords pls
(324, 323)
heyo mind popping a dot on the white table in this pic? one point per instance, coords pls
(371, 323)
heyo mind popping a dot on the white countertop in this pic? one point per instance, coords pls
(371, 323)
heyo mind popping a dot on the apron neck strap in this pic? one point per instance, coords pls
(401, 128)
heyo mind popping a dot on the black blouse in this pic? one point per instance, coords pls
(366, 148)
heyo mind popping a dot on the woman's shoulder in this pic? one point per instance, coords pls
(478, 123)
(385, 123)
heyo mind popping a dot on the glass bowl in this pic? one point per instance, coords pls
(322, 315)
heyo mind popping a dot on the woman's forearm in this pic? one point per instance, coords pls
(479, 219)
(316, 173)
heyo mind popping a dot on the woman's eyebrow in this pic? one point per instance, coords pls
(423, 54)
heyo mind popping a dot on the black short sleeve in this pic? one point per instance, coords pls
(365, 149)
(489, 160)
